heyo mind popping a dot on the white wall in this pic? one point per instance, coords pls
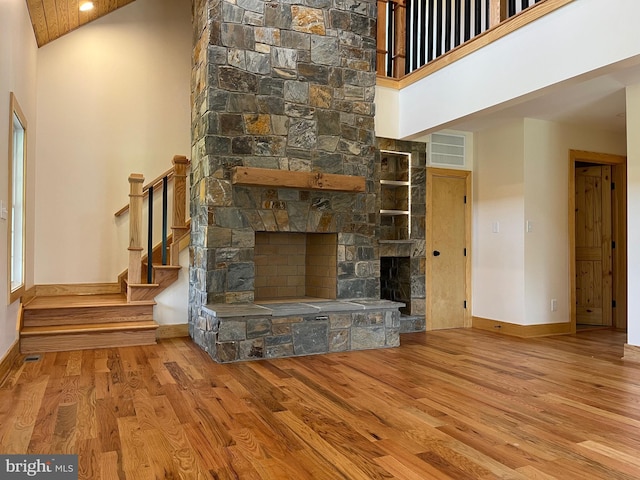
(17, 74)
(498, 199)
(521, 173)
(547, 146)
(113, 98)
(523, 64)
(633, 219)
(387, 119)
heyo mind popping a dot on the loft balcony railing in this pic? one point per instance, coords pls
(412, 33)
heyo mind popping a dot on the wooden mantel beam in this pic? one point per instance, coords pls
(267, 177)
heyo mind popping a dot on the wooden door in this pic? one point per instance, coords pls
(594, 278)
(447, 254)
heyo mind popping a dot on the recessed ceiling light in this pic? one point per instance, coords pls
(86, 6)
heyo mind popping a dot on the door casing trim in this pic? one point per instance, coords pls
(619, 231)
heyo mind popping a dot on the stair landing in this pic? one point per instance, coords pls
(76, 322)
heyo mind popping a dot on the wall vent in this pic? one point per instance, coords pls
(447, 149)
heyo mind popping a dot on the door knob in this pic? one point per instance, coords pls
(436, 253)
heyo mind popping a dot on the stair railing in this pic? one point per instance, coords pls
(179, 227)
(413, 33)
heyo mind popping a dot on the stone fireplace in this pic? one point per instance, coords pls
(285, 194)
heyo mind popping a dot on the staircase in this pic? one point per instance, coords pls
(77, 317)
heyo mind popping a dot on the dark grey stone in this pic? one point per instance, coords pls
(296, 40)
(242, 145)
(296, 91)
(230, 217)
(278, 340)
(278, 16)
(231, 124)
(279, 351)
(216, 144)
(232, 330)
(313, 73)
(270, 104)
(284, 58)
(231, 13)
(252, 349)
(252, 5)
(258, 62)
(258, 327)
(236, 58)
(310, 337)
(368, 337)
(328, 122)
(271, 86)
(236, 80)
(240, 276)
(302, 133)
(237, 36)
(253, 18)
(298, 111)
(324, 50)
(339, 340)
(242, 102)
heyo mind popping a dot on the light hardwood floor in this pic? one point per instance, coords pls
(460, 404)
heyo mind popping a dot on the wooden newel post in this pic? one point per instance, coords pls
(400, 45)
(135, 228)
(381, 39)
(179, 225)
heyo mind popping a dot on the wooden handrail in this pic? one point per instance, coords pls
(155, 183)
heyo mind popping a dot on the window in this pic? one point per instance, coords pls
(17, 170)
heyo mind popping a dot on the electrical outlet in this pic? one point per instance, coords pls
(554, 305)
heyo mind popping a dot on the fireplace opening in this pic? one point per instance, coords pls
(395, 281)
(293, 266)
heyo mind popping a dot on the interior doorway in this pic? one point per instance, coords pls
(597, 236)
(448, 255)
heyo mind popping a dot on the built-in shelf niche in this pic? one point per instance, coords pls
(395, 195)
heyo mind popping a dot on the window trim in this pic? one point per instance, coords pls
(15, 110)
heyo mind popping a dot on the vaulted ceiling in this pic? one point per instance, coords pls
(53, 18)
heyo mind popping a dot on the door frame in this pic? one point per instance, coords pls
(618, 231)
(466, 176)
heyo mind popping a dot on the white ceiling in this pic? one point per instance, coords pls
(596, 100)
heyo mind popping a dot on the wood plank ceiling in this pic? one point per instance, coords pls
(53, 18)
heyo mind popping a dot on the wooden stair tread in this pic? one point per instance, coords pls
(83, 328)
(74, 301)
(166, 267)
(143, 285)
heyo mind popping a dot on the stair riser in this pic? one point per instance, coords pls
(86, 341)
(164, 278)
(84, 315)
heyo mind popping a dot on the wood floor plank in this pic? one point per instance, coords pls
(455, 404)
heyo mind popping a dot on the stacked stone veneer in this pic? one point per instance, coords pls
(290, 86)
(409, 287)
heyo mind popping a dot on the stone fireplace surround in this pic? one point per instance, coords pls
(285, 86)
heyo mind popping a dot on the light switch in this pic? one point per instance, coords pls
(529, 226)
(495, 227)
(4, 213)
